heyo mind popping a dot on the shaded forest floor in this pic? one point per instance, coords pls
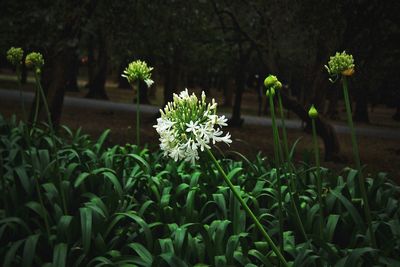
(378, 154)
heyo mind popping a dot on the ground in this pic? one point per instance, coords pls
(377, 153)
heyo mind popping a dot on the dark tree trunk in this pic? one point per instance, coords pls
(57, 86)
(60, 57)
(72, 80)
(228, 86)
(324, 129)
(98, 77)
(172, 76)
(236, 120)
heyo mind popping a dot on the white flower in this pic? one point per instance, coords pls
(189, 124)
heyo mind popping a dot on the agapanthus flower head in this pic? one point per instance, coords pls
(14, 55)
(340, 63)
(138, 70)
(188, 125)
(313, 112)
(270, 81)
(34, 60)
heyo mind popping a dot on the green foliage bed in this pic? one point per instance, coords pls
(127, 206)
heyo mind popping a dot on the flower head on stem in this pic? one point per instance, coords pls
(35, 61)
(313, 112)
(14, 55)
(340, 64)
(138, 70)
(189, 124)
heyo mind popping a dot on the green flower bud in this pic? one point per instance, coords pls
(313, 113)
(14, 55)
(341, 63)
(278, 85)
(270, 81)
(138, 71)
(270, 91)
(34, 60)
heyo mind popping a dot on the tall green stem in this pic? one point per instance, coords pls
(138, 114)
(52, 133)
(292, 183)
(278, 153)
(248, 210)
(284, 134)
(356, 153)
(318, 176)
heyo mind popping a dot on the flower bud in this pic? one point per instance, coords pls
(341, 63)
(270, 91)
(270, 81)
(278, 85)
(313, 113)
(138, 70)
(14, 55)
(34, 60)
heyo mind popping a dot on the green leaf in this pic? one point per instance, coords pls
(10, 255)
(331, 226)
(143, 253)
(350, 208)
(100, 141)
(81, 178)
(29, 250)
(86, 228)
(60, 255)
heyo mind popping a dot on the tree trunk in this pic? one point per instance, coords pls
(228, 86)
(98, 77)
(236, 120)
(72, 80)
(324, 129)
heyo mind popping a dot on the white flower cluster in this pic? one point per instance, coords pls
(188, 124)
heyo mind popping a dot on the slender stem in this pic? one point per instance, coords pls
(319, 184)
(284, 134)
(248, 210)
(278, 153)
(138, 114)
(35, 116)
(52, 133)
(292, 182)
(356, 153)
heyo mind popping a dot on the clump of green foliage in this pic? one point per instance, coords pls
(129, 206)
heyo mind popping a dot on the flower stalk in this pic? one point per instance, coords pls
(313, 114)
(342, 65)
(248, 211)
(135, 72)
(356, 153)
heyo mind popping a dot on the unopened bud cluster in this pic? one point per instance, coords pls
(35, 61)
(272, 84)
(341, 63)
(313, 112)
(14, 55)
(138, 71)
